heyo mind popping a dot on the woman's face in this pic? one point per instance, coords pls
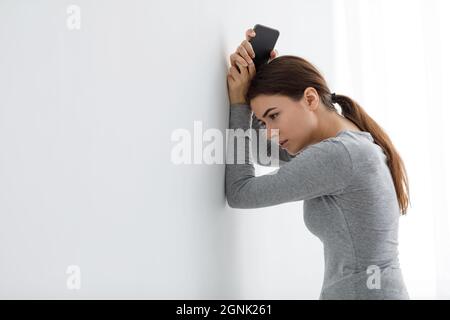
(295, 120)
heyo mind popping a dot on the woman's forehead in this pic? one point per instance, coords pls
(261, 103)
(264, 101)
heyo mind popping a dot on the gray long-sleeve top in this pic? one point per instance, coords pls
(349, 203)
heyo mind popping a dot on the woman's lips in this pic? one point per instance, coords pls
(283, 143)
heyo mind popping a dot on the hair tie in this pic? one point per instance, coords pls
(333, 97)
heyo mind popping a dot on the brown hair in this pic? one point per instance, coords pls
(291, 75)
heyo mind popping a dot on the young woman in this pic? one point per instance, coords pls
(344, 167)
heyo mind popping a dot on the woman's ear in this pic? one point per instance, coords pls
(311, 98)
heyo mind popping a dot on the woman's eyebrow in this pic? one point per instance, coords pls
(267, 111)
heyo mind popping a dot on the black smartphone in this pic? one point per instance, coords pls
(263, 43)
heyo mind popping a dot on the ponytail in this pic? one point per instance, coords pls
(355, 113)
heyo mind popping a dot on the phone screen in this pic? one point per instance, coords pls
(263, 43)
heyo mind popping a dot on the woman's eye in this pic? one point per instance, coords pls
(273, 116)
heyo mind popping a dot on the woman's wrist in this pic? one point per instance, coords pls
(238, 101)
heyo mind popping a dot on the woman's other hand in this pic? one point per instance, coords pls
(242, 69)
(244, 53)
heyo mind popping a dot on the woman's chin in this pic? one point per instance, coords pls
(288, 150)
(292, 151)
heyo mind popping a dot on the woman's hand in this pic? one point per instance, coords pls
(238, 82)
(242, 69)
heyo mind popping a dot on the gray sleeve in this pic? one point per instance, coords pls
(324, 168)
(283, 156)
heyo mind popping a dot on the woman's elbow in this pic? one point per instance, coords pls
(234, 201)
(231, 200)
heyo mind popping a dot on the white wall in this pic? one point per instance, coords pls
(86, 177)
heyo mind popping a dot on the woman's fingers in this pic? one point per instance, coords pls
(233, 73)
(252, 70)
(242, 65)
(243, 70)
(274, 53)
(244, 54)
(236, 57)
(250, 33)
(248, 47)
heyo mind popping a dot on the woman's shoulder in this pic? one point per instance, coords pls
(331, 150)
(361, 146)
(346, 145)
(355, 134)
